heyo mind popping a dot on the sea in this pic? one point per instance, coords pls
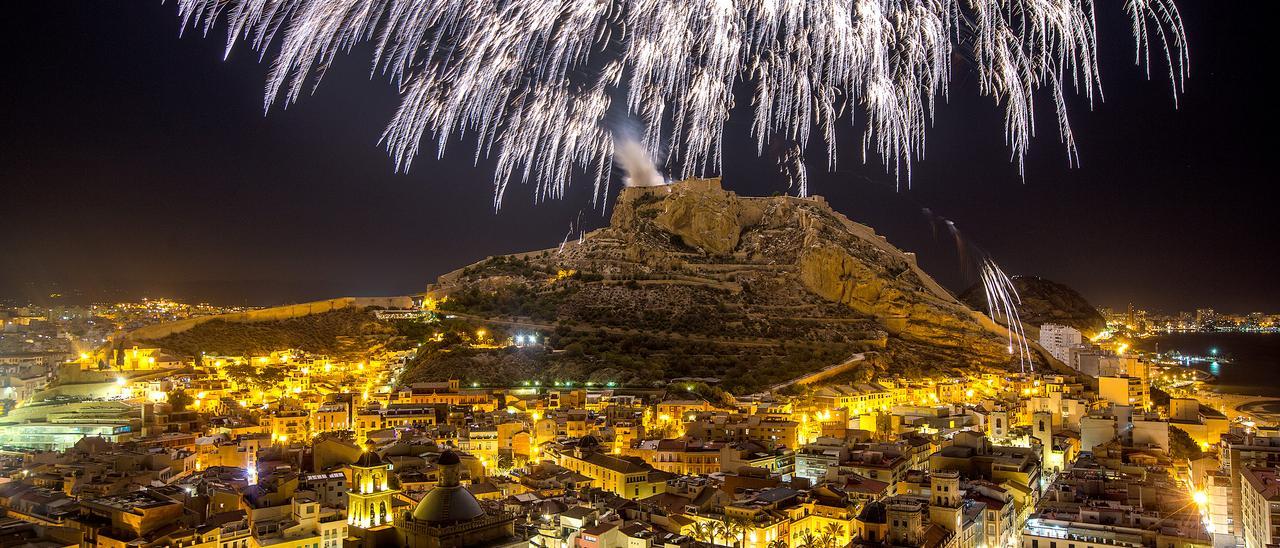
(1250, 364)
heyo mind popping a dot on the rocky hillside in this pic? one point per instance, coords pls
(1046, 301)
(690, 280)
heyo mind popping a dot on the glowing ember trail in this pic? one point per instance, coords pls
(534, 82)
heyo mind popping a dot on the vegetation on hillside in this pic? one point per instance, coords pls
(343, 333)
(631, 358)
(1046, 301)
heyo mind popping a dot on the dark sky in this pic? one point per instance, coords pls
(139, 162)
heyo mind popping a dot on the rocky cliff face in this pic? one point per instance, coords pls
(754, 278)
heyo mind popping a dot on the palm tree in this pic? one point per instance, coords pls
(808, 540)
(718, 530)
(733, 527)
(744, 526)
(777, 543)
(702, 531)
(832, 533)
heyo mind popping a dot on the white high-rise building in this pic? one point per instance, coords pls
(1058, 340)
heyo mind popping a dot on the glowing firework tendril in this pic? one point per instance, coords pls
(532, 81)
(1001, 295)
(1002, 304)
(791, 164)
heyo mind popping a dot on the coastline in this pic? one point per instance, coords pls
(1239, 385)
(1251, 407)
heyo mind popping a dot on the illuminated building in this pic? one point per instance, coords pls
(1124, 390)
(331, 417)
(449, 393)
(370, 497)
(1059, 340)
(290, 424)
(56, 427)
(122, 519)
(1204, 424)
(858, 399)
(626, 477)
(1260, 507)
(974, 456)
(683, 457)
(374, 418)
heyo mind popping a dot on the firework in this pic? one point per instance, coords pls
(534, 83)
(1001, 295)
(1002, 305)
(791, 164)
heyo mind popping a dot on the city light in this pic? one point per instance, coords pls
(778, 371)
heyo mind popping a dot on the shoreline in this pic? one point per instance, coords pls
(1242, 405)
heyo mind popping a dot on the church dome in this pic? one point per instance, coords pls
(448, 505)
(448, 502)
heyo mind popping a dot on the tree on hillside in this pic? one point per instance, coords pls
(179, 399)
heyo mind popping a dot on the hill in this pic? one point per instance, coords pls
(689, 280)
(1046, 301)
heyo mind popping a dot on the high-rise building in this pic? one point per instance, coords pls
(1058, 340)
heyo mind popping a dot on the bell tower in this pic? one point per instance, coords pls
(370, 491)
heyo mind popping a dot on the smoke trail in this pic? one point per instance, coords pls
(640, 168)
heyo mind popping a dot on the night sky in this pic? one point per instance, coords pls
(134, 162)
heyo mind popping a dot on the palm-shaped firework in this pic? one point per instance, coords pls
(536, 83)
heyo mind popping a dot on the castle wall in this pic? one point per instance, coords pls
(274, 313)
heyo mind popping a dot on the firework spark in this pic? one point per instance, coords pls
(533, 82)
(1002, 306)
(791, 164)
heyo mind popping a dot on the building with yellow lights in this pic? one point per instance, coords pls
(331, 417)
(290, 424)
(682, 457)
(857, 399)
(770, 432)
(371, 497)
(1204, 424)
(447, 393)
(629, 478)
